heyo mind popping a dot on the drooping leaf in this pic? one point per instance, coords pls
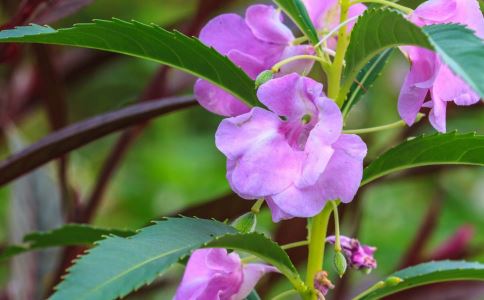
(439, 149)
(68, 235)
(117, 266)
(148, 42)
(259, 245)
(427, 273)
(79, 134)
(378, 29)
(365, 79)
(296, 10)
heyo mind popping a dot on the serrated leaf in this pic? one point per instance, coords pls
(439, 149)
(259, 245)
(378, 29)
(148, 42)
(296, 10)
(117, 266)
(365, 79)
(427, 273)
(68, 235)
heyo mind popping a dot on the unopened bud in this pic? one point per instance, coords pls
(322, 283)
(340, 263)
(393, 281)
(245, 223)
(263, 77)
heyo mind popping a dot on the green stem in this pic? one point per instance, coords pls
(285, 247)
(397, 124)
(337, 244)
(285, 294)
(402, 8)
(317, 237)
(256, 207)
(334, 76)
(278, 66)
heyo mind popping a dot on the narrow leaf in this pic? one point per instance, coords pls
(427, 273)
(117, 266)
(296, 10)
(378, 29)
(149, 42)
(439, 149)
(79, 134)
(365, 79)
(68, 235)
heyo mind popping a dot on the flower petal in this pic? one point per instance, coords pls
(298, 66)
(344, 172)
(266, 24)
(228, 32)
(218, 101)
(277, 213)
(438, 113)
(251, 65)
(292, 95)
(318, 10)
(202, 281)
(264, 163)
(303, 203)
(451, 88)
(436, 11)
(252, 274)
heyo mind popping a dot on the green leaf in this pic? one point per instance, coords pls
(439, 149)
(427, 273)
(259, 245)
(117, 266)
(296, 10)
(379, 29)
(68, 235)
(253, 296)
(365, 79)
(148, 42)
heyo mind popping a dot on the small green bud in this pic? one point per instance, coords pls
(393, 281)
(245, 223)
(263, 77)
(340, 263)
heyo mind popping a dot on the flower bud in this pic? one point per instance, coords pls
(245, 223)
(263, 77)
(340, 263)
(393, 281)
(322, 283)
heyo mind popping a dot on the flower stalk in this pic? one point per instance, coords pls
(397, 124)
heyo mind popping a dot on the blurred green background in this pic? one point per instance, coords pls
(175, 165)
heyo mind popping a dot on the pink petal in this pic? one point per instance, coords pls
(318, 9)
(344, 172)
(218, 101)
(292, 96)
(202, 281)
(298, 66)
(266, 24)
(251, 65)
(451, 88)
(303, 203)
(355, 10)
(436, 11)
(264, 163)
(438, 113)
(318, 146)
(277, 213)
(252, 274)
(228, 32)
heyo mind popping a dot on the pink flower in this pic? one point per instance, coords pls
(213, 274)
(358, 256)
(428, 73)
(326, 15)
(295, 156)
(255, 44)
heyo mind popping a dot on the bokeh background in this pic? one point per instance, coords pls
(173, 167)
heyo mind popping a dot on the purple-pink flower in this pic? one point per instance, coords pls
(215, 274)
(428, 73)
(358, 256)
(293, 155)
(255, 44)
